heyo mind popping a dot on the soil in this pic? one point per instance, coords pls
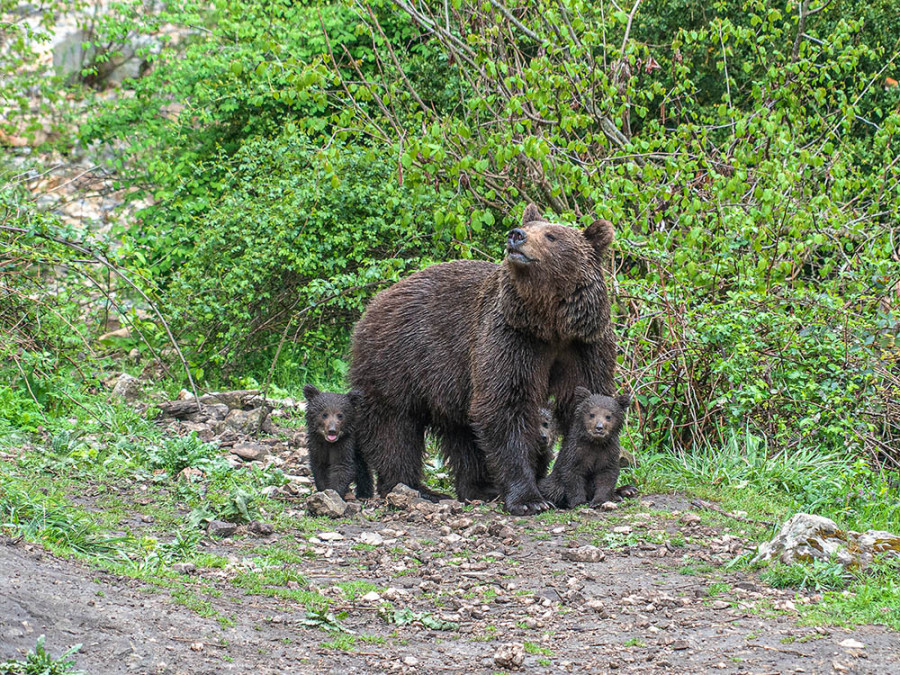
(507, 582)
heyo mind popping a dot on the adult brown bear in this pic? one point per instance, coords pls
(472, 350)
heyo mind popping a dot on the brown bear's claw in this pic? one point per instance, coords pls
(529, 509)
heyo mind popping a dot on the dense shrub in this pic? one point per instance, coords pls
(747, 154)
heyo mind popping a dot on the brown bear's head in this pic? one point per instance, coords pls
(556, 253)
(601, 417)
(329, 415)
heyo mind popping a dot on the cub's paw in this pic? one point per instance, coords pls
(626, 492)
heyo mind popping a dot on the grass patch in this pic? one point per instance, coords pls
(532, 648)
(745, 474)
(39, 662)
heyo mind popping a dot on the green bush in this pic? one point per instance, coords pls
(751, 174)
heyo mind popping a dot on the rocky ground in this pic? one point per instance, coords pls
(509, 593)
(403, 585)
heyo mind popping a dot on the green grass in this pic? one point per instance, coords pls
(39, 662)
(533, 648)
(744, 473)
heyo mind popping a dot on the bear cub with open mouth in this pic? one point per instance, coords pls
(334, 456)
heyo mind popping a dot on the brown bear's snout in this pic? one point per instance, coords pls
(516, 238)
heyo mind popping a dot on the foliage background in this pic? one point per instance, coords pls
(299, 157)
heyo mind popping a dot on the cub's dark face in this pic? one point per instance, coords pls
(328, 415)
(601, 416)
(331, 423)
(548, 427)
(601, 421)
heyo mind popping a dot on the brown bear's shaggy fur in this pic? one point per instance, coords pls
(472, 350)
(588, 464)
(333, 455)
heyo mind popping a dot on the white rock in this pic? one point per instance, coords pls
(371, 538)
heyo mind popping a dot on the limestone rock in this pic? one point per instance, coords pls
(403, 497)
(220, 528)
(584, 554)
(806, 537)
(250, 452)
(127, 388)
(246, 421)
(510, 656)
(326, 503)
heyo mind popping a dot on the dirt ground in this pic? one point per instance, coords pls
(508, 583)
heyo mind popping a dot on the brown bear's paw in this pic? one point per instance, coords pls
(626, 492)
(525, 502)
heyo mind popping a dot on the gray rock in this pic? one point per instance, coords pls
(235, 399)
(250, 452)
(127, 388)
(70, 56)
(510, 656)
(220, 528)
(260, 529)
(326, 503)
(246, 421)
(403, 497)
(184, 568)
(806, 537)
(584, 554)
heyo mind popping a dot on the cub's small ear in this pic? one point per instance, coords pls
(354, 395)
(310, 392)
(624, 400)
(581, 393)
(600, 234)
(531, 213)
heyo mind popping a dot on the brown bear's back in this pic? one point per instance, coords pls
(422, 326)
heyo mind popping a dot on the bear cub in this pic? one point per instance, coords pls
(334, 456)
(587, 468)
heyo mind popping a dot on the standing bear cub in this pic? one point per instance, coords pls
(334, 456)
(471, 350)
(588, 464)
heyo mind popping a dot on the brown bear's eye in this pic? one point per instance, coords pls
(550, 237)
(591, 415)
(340, 416)
(324, 416)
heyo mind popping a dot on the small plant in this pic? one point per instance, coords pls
(818, 575)
(403, 617)
(39, 662)
(532, 648)
(178, 454)
(634, 642)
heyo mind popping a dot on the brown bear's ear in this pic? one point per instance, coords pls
(581, 393)
(531, 213)
(310, 392)
(624, 400)
(600, 234)
(354, 395)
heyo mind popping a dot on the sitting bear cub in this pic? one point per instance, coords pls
(334, 456)
(588, 464)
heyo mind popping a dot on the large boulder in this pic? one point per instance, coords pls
(806, 537)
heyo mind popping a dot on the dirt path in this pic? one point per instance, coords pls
(658, 600)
